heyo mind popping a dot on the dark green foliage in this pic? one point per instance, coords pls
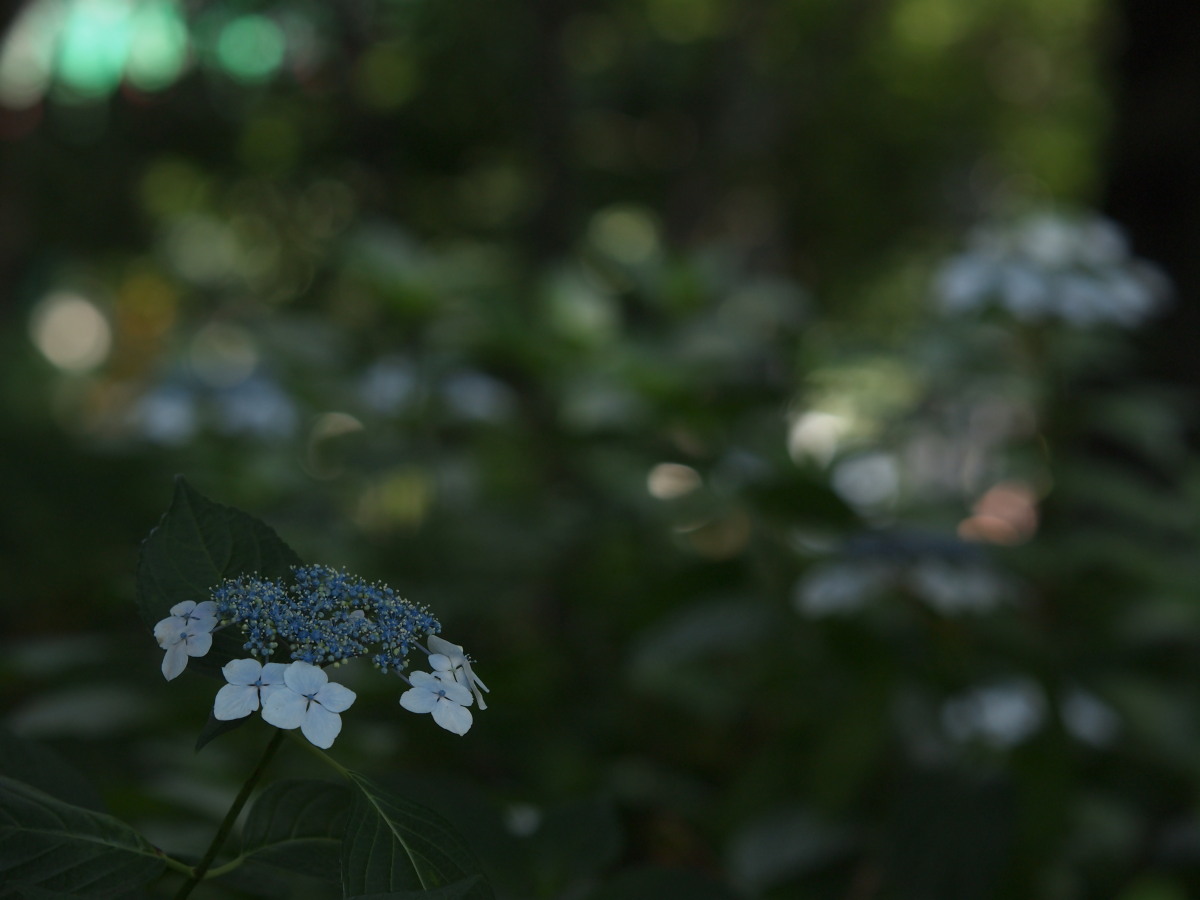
(298, 826)
(69, 849)
(393, 844)
(196, 545)
(520, 308)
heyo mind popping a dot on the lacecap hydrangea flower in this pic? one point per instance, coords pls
(321, 617)
(448, 690)
(186, 632)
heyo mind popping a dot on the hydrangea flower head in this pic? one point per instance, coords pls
(320, 617)
(323, 616)
(1077, 269)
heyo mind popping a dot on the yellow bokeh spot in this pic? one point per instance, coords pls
(628, 234)
(402, 498)
(70, 331)
(270, 142)
(930, 25)
(172, 187)
(684, 21)
(385, 77)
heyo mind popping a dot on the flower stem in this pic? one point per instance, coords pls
(324, 757)
(239, 801)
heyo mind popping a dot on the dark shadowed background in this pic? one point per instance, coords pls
(786, 402)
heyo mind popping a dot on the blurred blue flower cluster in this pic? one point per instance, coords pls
(1078, 269)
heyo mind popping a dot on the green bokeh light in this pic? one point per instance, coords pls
(158, 45)
(93, 46)
(250, 48)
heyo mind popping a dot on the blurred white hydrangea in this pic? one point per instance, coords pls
(1001, 715)
(837, 588)
(1075, 268)
(258, 407)
(953, 588)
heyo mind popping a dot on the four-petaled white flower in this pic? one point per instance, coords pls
(186, 632)
(459, 667)
(311, 702)
(441, 695)
(250, 684)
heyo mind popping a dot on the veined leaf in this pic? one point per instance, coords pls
(196, 545)
(40, 767)
(298, 825)
(394, 845)
(455, 891)
(215, 727)
(55, 847)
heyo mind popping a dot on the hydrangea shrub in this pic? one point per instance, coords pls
(221, 593)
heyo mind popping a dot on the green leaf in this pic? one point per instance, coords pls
(39, 766)
(196, 545)
(215, 727)
(298, 825)
(199, 543)
(51, 846)
(392, 844)
(455, 891)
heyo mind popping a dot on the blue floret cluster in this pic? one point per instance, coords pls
(323, 617)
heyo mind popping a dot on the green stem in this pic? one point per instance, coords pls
(176, 866)
(216, 871)
(239, 801)
(324, 757)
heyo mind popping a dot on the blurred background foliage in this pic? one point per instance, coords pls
(751, 387)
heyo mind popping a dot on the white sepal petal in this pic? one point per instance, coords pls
(305, 678)
(285, 709)
(268, 690)
(169, 631)
(418, 700)
(452, 691)
(242, 671)
(174, 661)
(198, 644)
(205, 610)
(452, 717)
(443, 646)
(321, 726)
(235, 701)
(335, 697)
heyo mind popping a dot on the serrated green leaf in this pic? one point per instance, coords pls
(52, 846)
(196, 545)
(392, 844)
(298, 825)
(39, 766)
(215, 727)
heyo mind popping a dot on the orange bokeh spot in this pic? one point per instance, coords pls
(1005, 514)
